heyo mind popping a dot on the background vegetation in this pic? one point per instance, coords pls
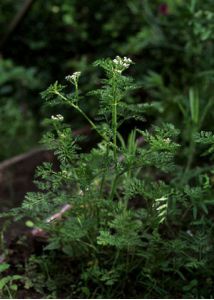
(171, 43)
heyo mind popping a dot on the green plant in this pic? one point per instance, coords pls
(161, 40)
(8, 286)
(187, 93)
(17, 124)
(138, 223)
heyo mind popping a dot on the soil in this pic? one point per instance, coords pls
(16, 179)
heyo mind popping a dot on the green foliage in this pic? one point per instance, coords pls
(17, 124)
(140, 222)
(137, 222)
(179, 39)
(205, 138)
(8, 286)
(171, 43)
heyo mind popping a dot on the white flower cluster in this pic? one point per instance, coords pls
(122, 63)
(74, 77)
(57, 118)
(167, 140)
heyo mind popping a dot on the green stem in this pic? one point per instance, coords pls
(191, 150)
(8, 291)
(114, 129)
(114, 117)
(76, 91)
(83, 114)
(114, 126)
(114, 186)
(191, 156)
(104, 172)
(206, 111)
(116, 258)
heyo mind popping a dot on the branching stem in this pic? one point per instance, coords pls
(83, 114)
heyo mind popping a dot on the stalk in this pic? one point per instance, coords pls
(83, 114)
(191, 150)
(114, 185)
(114, 125)
(114, 128)
(104, 173)
(114, 117)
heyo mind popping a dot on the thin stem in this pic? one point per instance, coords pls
(104, 173)
(206, 111)
(191, 156)
(8, 291)
(191, 150)
(114, 185)
(114, 129)
(76, 90)
(83, 114)
(116, 258)
(114, 116)
(114, 125)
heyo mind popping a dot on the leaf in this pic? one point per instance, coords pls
(4, 281)
(86, 291)
(4, 267)
(161, 206)
(16, 277)
(14, 287)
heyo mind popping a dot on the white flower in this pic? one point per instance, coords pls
(167, 140)
(74, 77)
(57, 118)
(189, 232)
(121, 63)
